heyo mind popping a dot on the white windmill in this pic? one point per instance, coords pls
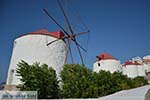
(32, 48)
(133, 69)
(51, 48)
(107, 62)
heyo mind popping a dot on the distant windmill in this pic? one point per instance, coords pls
(70, 37)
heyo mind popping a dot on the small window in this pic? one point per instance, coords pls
(12, 70)
(98, 64)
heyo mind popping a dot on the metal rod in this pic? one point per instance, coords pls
(71, 31)
(61, 27)
(71, 52)
(68, 46)
(68, 37)
(55, 21)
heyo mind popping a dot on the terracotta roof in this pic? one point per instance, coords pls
(131, 63)
(105, 56)
(57, 34)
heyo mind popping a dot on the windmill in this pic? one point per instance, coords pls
(69, 37)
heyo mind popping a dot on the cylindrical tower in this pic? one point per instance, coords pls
(32, 47)
(106, 62)
(141, 70)
(130, 69)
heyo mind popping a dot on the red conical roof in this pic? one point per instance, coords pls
(131, 63)
(57, 34)
(105, 56)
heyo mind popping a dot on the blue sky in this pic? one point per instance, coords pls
(120, 27)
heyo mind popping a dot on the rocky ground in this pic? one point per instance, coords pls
(147, 96)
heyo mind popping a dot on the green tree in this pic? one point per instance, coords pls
(120, 81)
(76, 81)
(105, 83)
(39, 78)
(80, 82)
(138, 81)
(102, 82)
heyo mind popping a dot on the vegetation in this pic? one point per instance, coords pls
(39, 78)
(107, 83)
(80, 82)
(77, 81)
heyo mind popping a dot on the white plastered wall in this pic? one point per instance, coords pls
(32, 48)
(111, 65)
(130, 70)
(141, 70)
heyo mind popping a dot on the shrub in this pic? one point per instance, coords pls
(80, 82)
(76, 80)
(39, 78)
